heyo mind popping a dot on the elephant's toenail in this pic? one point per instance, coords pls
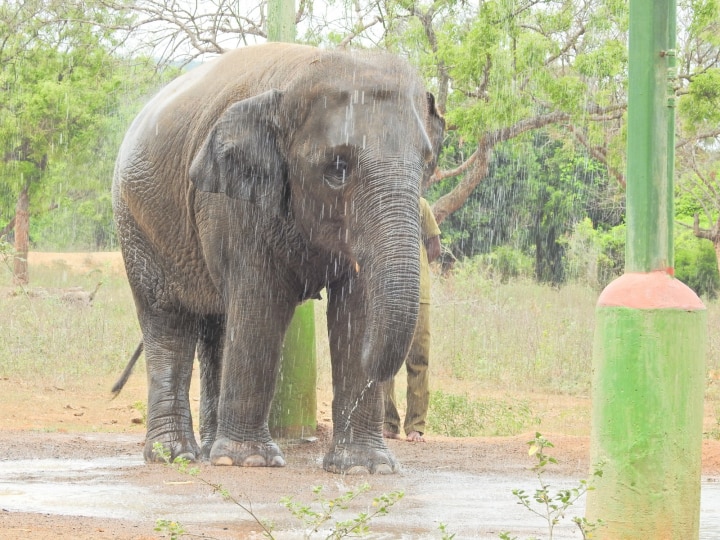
(357, 469)
(222, 460)
(254, 461)
(384, 468)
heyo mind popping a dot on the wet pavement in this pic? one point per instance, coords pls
(471, 505)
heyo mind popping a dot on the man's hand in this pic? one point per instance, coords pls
(432, 246)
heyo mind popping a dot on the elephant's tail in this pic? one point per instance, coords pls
(118, 386)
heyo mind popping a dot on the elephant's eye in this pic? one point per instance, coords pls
(336, 173)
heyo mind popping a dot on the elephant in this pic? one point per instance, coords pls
(245, 187)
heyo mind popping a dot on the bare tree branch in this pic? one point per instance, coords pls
(361, 27)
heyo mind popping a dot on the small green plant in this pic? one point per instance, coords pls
(444, 534)
(173, 528)
(313, 516)
(141, 407)
(315, 519)
(549, 505)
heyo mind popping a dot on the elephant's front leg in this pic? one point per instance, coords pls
(253, 342)
(170, 340)
(358, 446)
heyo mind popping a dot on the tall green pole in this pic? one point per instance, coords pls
(649, 351)
(281, 20)
(294, 411)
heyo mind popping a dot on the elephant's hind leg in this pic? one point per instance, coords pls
(210, 351)
(170, 341)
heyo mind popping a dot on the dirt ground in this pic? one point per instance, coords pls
(85, 424)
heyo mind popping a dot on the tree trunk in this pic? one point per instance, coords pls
(22, 238)
(716, 245)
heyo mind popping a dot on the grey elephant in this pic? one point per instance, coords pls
(245, 187)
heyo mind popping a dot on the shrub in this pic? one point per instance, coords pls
(696, 264)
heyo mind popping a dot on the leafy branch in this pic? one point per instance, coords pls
(359, 525)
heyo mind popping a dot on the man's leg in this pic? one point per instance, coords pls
(418, 391)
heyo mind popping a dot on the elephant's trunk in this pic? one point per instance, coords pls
(389, 260)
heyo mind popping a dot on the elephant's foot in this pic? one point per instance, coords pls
(185, 448)
(246, 453)
(359, 459)
(206, 448)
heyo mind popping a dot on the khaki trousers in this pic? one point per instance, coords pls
(418, 390)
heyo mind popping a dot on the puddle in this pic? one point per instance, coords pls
(472, 506)
(70, 487)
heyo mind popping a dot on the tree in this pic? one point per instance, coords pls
(61, 82)
(698, 154)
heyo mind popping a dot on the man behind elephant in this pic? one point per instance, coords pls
(417, 361)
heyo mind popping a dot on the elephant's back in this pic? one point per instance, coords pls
(174, 123)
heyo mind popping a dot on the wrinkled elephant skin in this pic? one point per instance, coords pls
(245, 187)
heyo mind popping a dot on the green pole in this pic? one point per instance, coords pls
(670, 82)
(294, 410)
(650, 339)
(293, 413)
(281, 20)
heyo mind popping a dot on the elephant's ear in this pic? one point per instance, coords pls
(240, 156)
(435, 125)
(435, 121)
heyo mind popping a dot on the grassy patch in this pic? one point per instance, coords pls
(516, 335)
(50, 341)
(461, 416)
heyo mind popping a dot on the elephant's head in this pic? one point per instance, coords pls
(341, 148)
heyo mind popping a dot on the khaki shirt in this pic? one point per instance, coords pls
(428, 229)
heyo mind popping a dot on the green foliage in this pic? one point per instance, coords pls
(552, 506)
(702, 105)
(696, 265)
(476, 338)
(69, 96)
(444, 533)
(505, 263)
(7, 252)
(594, 257)
(460, 416)
(605, 63)
(527, 207)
